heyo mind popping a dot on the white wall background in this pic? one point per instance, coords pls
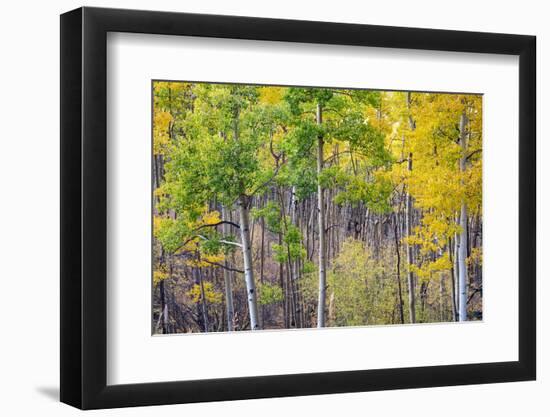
(29, 213)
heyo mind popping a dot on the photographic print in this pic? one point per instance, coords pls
(282, 207)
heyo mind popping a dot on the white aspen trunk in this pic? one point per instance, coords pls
(227, 281)
(441, 296)
(410, 275)
(247, 261)
(164, 306)
(408, 227)
(452, 279)
(398, 268)
(455, 260)
(463, 240)
(296, 262)
(441, 290)
(321, 222)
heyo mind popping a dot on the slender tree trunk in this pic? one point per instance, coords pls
(453, 287)
(247, 261)
(164, 307)
(227, 275)
(398, 272)
(295, 263)
(409, 250)
(463, 241)
(204, 310)
(262, 264)
(321, 221)
(455, 277)
(441, 296)
(423, 298)
(286, 320)
(408, 227)
(291, 282)
(157, 178)
(292, 298)
(246, 246)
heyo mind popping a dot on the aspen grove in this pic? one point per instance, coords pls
(286, 207)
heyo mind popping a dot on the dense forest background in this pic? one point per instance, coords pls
(283, 207)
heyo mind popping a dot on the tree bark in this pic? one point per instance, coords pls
(453, 281)
(398, 272)
(247, 261)
(321, 225)
(292, 263)
(204, 311)
(295, 262)
(246, 245)
(463, 241)
(164, 308)
(441, 296)
(408, 227)
(409, 251)
(262, 264)
(227, 275)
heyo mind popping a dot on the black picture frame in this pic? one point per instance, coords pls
(84, 207)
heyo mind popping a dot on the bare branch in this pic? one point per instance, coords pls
(223, 266)
(227, 242)
(332, 226)
(185, 243)
(476, 290)
(473, 153)
(218, 223)
(275, 155)
(350, 151)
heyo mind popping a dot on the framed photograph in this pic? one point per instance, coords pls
(256, 208)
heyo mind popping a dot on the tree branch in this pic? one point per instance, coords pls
(275, 156)
(350, 151)
(223, 266)
(476, 290)
(218, 223)
(332, 226)
(473, 153)
(227, 242)
(269, 180)
(185, 243)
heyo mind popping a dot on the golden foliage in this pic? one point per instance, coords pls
(210, 294)
(427, 269)
(476, 257)
(161, 131)
(271, 95)
(159, 275)
(206, 261)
